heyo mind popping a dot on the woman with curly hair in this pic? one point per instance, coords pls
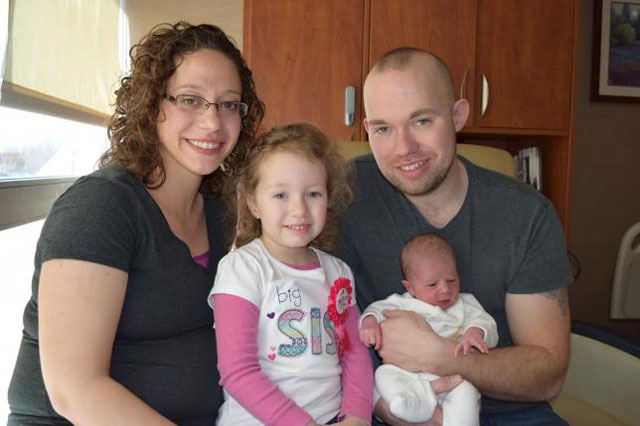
(118, 330)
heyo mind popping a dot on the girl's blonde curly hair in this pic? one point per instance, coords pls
(132, 128)
(302, 139)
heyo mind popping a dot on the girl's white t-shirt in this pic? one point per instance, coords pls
(297, 349)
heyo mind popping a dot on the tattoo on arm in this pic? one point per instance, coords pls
(561, 297)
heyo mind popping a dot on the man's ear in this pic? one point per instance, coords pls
(366, 124)
(460, 113)
(253, 206)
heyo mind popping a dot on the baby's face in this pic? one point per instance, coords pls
(433, 280)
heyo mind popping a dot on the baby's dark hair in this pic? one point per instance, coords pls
(423, 245)
(308, 141)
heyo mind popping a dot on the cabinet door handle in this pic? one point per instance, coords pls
(463, 86)
(485, 94)
(349, 105)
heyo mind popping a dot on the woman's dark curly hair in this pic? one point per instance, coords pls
(132, 128)
(309, 142)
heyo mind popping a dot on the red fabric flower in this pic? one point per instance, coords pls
(338, 309)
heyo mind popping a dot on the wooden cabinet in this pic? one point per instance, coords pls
(512, 60)
(525, 56)
(304, 53)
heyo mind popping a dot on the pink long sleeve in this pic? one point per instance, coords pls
(236, 321)
(357, 373)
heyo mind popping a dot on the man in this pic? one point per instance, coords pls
(507, 237)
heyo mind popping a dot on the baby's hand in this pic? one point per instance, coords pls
(472, 338)
(370, 333)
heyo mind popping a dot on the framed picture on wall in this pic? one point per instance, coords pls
(616, 51)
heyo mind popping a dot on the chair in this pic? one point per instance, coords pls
(625, 296)
(485, 156)
(603, 381)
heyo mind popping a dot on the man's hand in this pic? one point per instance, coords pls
(409, 343)
(472, 338)
(370, 333)
(533, 368)
(440, 385)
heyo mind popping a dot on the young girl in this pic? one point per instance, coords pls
(285, 312)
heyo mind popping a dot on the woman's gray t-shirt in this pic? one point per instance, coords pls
(164, 349)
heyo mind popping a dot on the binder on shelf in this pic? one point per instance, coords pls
(529, 166)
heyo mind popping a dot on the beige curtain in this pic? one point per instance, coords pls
(144, 14)
(67, 51)
(64, 51)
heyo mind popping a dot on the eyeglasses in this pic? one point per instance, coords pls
(193, 104)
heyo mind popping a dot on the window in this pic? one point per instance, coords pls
(37, 146)
(54, 102)
(40, 156)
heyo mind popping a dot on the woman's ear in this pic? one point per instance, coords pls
(253, 206)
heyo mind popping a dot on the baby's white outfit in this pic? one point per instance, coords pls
(409, 395)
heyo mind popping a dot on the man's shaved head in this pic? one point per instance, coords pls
(404, 57)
